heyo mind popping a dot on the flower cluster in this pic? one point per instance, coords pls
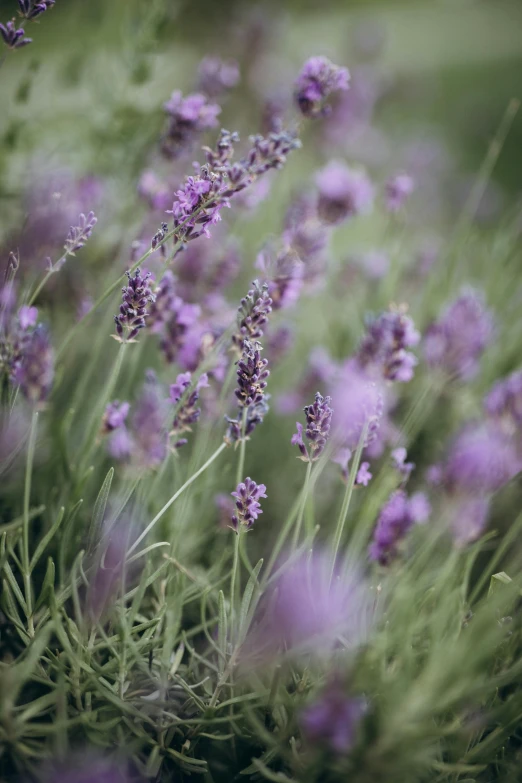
(397, 190)
(216, 76)
(253, 314)
(397, 517)
(247, 506)
(385, 346)
(252, 374)
(187, 410)
(318, 422)
(13, 37)
(458, 339)
(319, 78)
(137, 296)
(33, 367)
(31, 9)
(333, 718)
(343, 193)
(187, 118)
(504, 403)
(172, 318)
(79, 234)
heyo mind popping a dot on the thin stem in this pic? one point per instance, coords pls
(242, 446)
(347, 498)
(50, 272)
(304, 496)
(175, 496)
(233, 576)
(25, 526)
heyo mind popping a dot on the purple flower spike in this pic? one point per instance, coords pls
(397, 190)
(333, 719)
(133, 309)
(364, 476)
(458, 339)
(253, 314)
(216, 76)
(34, 367)
(78, 235)
(252, 374)
(343, 193)
(318, 422)
(188, 412)
(27, 317)
(385, 344)
(13, 37)
(481, 459)
(318, 79)
(504, 403)
(115, 415)
(248, 508)
(397, 517)
(30, 9)
(187, 118)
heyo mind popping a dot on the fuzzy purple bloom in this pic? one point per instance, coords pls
(34, 366)
(187, 412)
(79, 234)
(364, 476)
(481, 459)
(458, 339)
(247, 507)
(115, 415)
(14, 38)
(27, 317)
(469, 517)
(397, 517)
(385, 346)
(343, 193)
(504, 403)
(319, 78)
(137, 295)
(89, 767)
(216, 76)
(318, 423)
(31, 9)
(399, 456)
(149, 424)
(333, 718)
(359, 406)
(253, 314)
(285, 273)
(187, 118)
(397, 190)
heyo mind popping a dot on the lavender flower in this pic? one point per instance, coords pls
(285, 274)
(333, 719)
(359, 406)
(187, 118)
(89, 767)
(247, 495)
(159, 236)
(385, 344)
(78, 235)
(458, 339)
(308, 612)
(253, 314)
(399, 456)
(397, 190)
(481, 459)
(14, 38)
(216, 76)
(30, 9)
(397, 517)
(172, 318)
(318, 79)
(504, 403)
(318, 422)
(34, 367)
(188, 412)
(343, 193)
(364, 476)
(133, 309)
(27, 317)
(115, 415)
(468, 518)
(252, 374)
(148, 424)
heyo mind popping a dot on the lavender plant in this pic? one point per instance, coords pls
(368, 627)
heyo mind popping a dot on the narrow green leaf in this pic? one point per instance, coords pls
(48, 584)
(247, 598)
(99, 511)
(222, 630)
(16, 523)
(40, 549)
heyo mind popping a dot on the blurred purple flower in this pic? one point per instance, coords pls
(399, 456)
(468, 518)
(481, 459)
(14, 38)
(216, 76)
(385, 346)
(27, 317)
(247, 506)
(374, 263)
(318, 79)
(333, 718)
(115, 415)
(397, 517)
(89, 767)
(188, 412)
(397, 190)
(504, 403)
(318, 422)
(149, 424)
(358, 405)
(343, 193)
(187, 118)
(458, 339)
(31, 9)
(33, 370)
(363, 475)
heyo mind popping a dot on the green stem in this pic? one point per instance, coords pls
(25, 526)
(304, 496)
(242, 446)
(233, 576)
(175, 496)
(347, 498)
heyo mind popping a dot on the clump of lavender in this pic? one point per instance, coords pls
(385, 346)
(396, 519)
(397, 190)
(33, 369)
(188, 412)
(481, 459)
(216, 76)
(79, 234)
(503, 404)
(333, 718)
(31, 9)
(137, 295)
(172, 318)
(252, 374)
(359, 406)
(318, 423)
(458, 339)
(148, 424)
(115, 415)
(343, 193)
(120, 442)
(318, 79)
(187, 118)
(253, 314)
(13, 37)
(247, 505)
